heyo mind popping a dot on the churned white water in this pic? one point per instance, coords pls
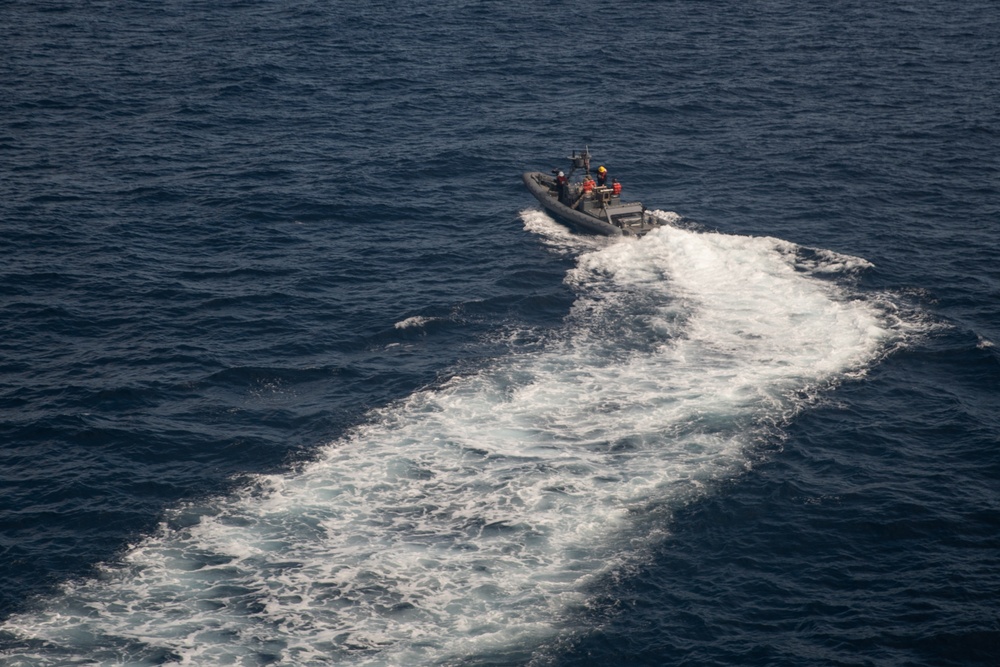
(472, 517)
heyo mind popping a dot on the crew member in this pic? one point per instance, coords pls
(561, 183)
(616, 187)
(602, 176)
(586, 191)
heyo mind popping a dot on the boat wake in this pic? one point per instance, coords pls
(469, 520)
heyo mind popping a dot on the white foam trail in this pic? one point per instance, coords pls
(470, 518)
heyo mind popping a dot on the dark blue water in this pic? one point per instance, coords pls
(294, 372)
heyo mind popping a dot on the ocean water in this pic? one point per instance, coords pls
(294, 371)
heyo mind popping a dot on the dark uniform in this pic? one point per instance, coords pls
(602, 176)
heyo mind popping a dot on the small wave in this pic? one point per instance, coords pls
(414, 322)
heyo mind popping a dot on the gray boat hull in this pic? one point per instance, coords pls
(600, 212)
(542, 187)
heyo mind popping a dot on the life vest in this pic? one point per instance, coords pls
(588, 185)
(617, 188)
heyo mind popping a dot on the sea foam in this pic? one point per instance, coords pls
(475, 516)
